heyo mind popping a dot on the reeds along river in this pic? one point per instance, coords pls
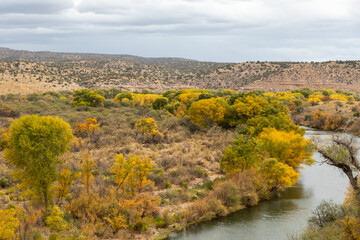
(280, 217)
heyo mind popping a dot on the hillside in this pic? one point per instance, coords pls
(26, 72)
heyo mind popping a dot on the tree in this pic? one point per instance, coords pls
(287, 147)
(34, 145)
(88, 128)
(278, 175)
(124, 95)
(279, 121)
(87, 97)
(131, 173)
(64, 183)
(342, 152)
(250, 106)
(3, 133)
(148, 127)
(208, 111)
(87, 167)
(9, 224)
(160, 103)
(241, 155)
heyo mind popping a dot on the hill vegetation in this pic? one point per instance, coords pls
(27, 72)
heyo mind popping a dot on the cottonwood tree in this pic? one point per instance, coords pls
(206, 112)
(342, 152)
(34, 145)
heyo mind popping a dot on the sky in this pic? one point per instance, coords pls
(207, 30)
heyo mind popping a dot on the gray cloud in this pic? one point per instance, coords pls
(34, 6)
(216, 30)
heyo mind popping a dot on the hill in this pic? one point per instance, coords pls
(26, 72)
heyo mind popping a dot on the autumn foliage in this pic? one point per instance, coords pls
(207, 112)
(125, 175)
(34, 147)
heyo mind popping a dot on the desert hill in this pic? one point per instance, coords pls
(26, 72)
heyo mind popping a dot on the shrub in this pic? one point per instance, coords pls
(7, 111)
(314, 103)
(215, 206)
(208, 184)
(167, 184)
(56, 220)
(228, 193)
(110, 104)
(308, 117)
(142, 224)
(34, 97)
(4, 182)
(159, 222)
(327, 121)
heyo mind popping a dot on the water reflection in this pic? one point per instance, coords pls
(283, 215)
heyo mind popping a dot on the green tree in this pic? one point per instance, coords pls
(160, 103)
(34, 145)
(87, 97)
(241, 155)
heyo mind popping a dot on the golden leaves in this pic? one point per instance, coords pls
(131, 173)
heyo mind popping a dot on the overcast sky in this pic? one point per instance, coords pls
(212, 30)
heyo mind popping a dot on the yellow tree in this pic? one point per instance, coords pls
(64, 182)
(3, 133)
(88, 127)
(131, 173)
(34, 147)
(287, 147)
(148, 127)
(278, 175)
(250, 106)
(87, 167)
(9, 223)
(208, 111)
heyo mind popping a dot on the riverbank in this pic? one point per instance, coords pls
(329, 116)
(279, 217)
(241, 191)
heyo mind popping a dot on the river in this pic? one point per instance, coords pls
(280, 217)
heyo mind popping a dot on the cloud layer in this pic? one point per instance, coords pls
(214, 30)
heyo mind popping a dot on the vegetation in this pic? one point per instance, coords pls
(34, 145)
(38, 72)
(131, 163)
(86, 97)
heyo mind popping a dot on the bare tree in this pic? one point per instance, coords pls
(342, 152)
